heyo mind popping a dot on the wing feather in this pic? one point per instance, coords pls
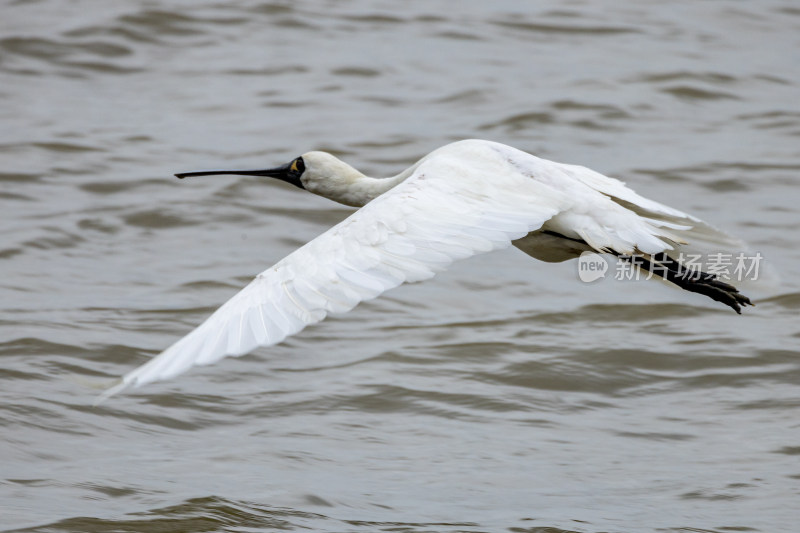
(608, 215)
(447, 210)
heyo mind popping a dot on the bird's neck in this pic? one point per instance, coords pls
(358, 189)
(371, 188)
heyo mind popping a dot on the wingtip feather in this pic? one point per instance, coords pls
(108, 393)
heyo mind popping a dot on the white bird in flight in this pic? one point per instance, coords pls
(466, 198)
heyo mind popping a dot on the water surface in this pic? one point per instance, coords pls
(505, 395)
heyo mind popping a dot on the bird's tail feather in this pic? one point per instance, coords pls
(697, 240)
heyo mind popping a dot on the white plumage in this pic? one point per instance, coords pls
(463, 199)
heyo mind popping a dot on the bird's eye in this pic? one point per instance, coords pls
(298, 166)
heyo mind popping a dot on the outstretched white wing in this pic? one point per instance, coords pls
(455, 205)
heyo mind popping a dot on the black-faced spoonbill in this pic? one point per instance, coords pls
(465, 198)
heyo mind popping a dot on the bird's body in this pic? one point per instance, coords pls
(465, 198)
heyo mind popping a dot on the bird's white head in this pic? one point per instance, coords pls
(329, 176)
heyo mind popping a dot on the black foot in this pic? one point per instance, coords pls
(691, 280)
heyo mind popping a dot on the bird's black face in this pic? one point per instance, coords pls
(296, 169)
(290, 172)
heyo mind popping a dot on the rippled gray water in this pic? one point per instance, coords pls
(505, 395)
